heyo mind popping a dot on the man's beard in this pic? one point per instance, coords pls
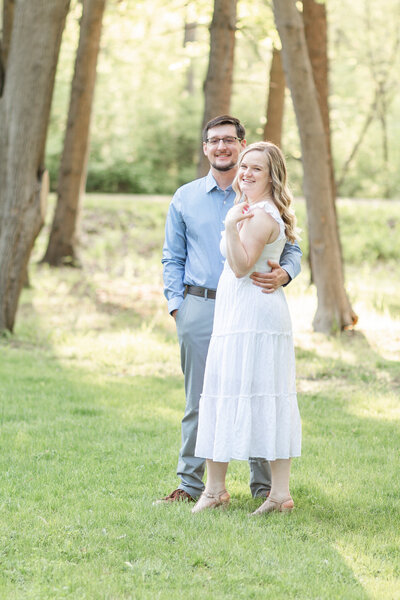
(223, 168)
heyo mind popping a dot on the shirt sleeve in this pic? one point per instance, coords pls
(291, 260)
(174, 255)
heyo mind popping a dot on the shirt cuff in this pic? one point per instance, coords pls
(174, 303)
(289, 271)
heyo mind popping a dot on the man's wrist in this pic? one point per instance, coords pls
(174, 303)
(288, 279)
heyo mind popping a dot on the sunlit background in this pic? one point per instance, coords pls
(149, 97)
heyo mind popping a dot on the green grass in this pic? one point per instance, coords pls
(91, 398)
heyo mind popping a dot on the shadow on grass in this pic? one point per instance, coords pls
(81, 449)
(75, 444)
(366, 364)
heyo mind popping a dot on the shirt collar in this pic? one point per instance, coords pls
(211, 184)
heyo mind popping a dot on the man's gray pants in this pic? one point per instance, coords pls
(194, 322)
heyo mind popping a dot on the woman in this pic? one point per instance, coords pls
(249, 405)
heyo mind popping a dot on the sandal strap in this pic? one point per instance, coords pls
(216, 496)
(279, 502)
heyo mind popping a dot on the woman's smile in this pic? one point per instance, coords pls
(254, 176)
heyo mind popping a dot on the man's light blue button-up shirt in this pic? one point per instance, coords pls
(191, 254)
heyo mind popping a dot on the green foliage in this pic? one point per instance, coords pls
(365, 60)
(369, 230)
(91, 398)
(146, 124)
(145, 130)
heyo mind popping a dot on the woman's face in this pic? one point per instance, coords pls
(253, 176)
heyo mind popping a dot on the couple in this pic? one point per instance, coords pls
(248, 408)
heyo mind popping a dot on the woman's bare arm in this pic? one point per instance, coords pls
(244, 248)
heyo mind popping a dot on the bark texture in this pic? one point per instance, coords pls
(63, 242)
(8, 17)
(24, 116)
(218, 82)
(276, 100)
(334, 311)
(316, 32)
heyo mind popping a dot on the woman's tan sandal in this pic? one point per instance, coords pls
(208, 500)
(271, 505)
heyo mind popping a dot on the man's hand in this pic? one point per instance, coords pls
(173, 313)
(269, 282)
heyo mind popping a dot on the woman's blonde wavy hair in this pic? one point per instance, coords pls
(280, 191)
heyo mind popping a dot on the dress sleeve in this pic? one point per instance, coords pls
(274, 212)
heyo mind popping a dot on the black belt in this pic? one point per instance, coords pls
(196, 290)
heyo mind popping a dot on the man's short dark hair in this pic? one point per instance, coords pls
(225, 120)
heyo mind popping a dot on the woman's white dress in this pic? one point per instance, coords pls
(248, 407)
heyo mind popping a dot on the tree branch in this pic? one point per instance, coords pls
(364, 129)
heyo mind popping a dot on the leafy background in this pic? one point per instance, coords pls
(146, 125)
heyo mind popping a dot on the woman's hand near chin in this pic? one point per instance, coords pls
(238, 213)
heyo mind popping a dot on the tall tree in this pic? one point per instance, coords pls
(218, 82)
(24, 115)
(8, 17)
(276, 100)
(63, 242)
(7, 21)
(316, 32)
(334, 311)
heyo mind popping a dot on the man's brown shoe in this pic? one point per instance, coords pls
(176, 496)
(263, 494)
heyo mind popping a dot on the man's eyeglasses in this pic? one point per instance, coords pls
(230, 140)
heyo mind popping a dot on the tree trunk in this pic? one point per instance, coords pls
(218, 82)
(8, 17)
(62, 246)
(334, 311)
(2, 70)
(276, 100)
(316, 32)
(24, 116)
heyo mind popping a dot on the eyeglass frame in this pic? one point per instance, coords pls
(223, 139)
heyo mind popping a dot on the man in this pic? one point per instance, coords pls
(192, 267)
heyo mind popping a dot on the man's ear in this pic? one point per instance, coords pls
(205, 148)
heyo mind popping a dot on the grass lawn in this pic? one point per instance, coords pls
(91, 398)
